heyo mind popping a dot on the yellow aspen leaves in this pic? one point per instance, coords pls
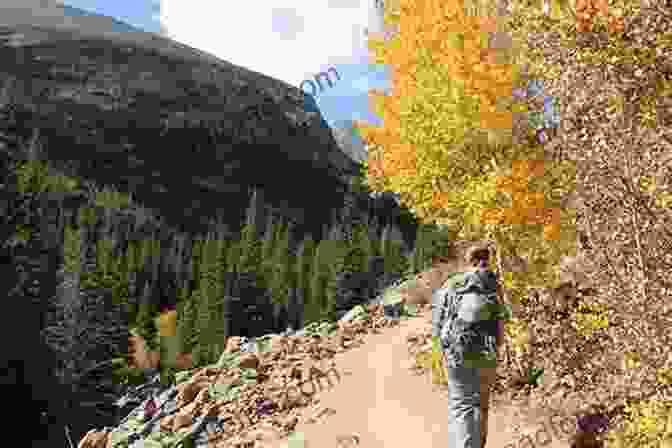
(446, 119)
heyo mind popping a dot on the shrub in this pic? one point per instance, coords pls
(590, 318)
(648, 424)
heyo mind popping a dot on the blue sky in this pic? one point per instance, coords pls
(292, 41)
(143, 14)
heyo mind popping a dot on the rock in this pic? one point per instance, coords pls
(167, 423)
(277, 343)
(94, 439)
(338, 341)
(206, 372)
(185, 416)
(275, 397)
(357, 312)
(373, 307)
(103, 98)
(290, 422)
(585, 440)
(411, 338)
(202, 397)
(249, 361)
(183, 361)
(189, 391)
(232, 344)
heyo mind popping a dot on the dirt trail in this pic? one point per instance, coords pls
(387, 406)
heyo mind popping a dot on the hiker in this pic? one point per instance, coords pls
(467, 330)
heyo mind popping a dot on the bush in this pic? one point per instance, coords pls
(649, 424)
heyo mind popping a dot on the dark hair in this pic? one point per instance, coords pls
(478, 255)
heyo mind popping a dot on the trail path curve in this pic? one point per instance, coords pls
(388, 406)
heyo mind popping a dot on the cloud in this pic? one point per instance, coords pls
(291, 41)
(287, 23)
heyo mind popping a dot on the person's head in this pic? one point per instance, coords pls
(478, 256)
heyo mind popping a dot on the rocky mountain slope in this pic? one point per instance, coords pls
(228, 404)
(133, 106)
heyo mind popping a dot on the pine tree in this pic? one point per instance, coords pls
(196, 256)
(281, 268)
(186, 321)
(304, 261)
(395, 261)
(208, 310)
(269, 244)
(145, 321)
(233, 255)
(121, 286)
(270, 237)
(104, 262)
(188, 326)
(425, 247)
(360, 250)
(328, 312)
(249, 250)
(317, 284)
(328, 264)
(385, 250)
(219, 270)
(365, 243)
(131, 258)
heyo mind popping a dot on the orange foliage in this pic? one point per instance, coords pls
(588, 10)
(527, 207)
(426, 45)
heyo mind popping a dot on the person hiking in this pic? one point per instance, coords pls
(467, 329)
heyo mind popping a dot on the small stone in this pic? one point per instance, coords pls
(233, 344)
(166, 423)
(249, 361)
(290, 422)
(190, 390)
(184, 416)
(94, 439)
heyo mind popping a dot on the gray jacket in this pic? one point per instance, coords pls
(487, 280)
(473, 328)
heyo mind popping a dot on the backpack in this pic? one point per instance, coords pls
(466, 321)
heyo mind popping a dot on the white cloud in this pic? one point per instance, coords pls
(290, 40)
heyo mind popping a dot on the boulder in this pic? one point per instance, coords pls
(94, 439)
(249, 361)
(233, 344)
(357, 312)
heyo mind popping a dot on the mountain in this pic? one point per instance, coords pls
(349, 140)
(115, 25)
(348, 99)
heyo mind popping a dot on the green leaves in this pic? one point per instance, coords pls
(119, 438)
(224, 392)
